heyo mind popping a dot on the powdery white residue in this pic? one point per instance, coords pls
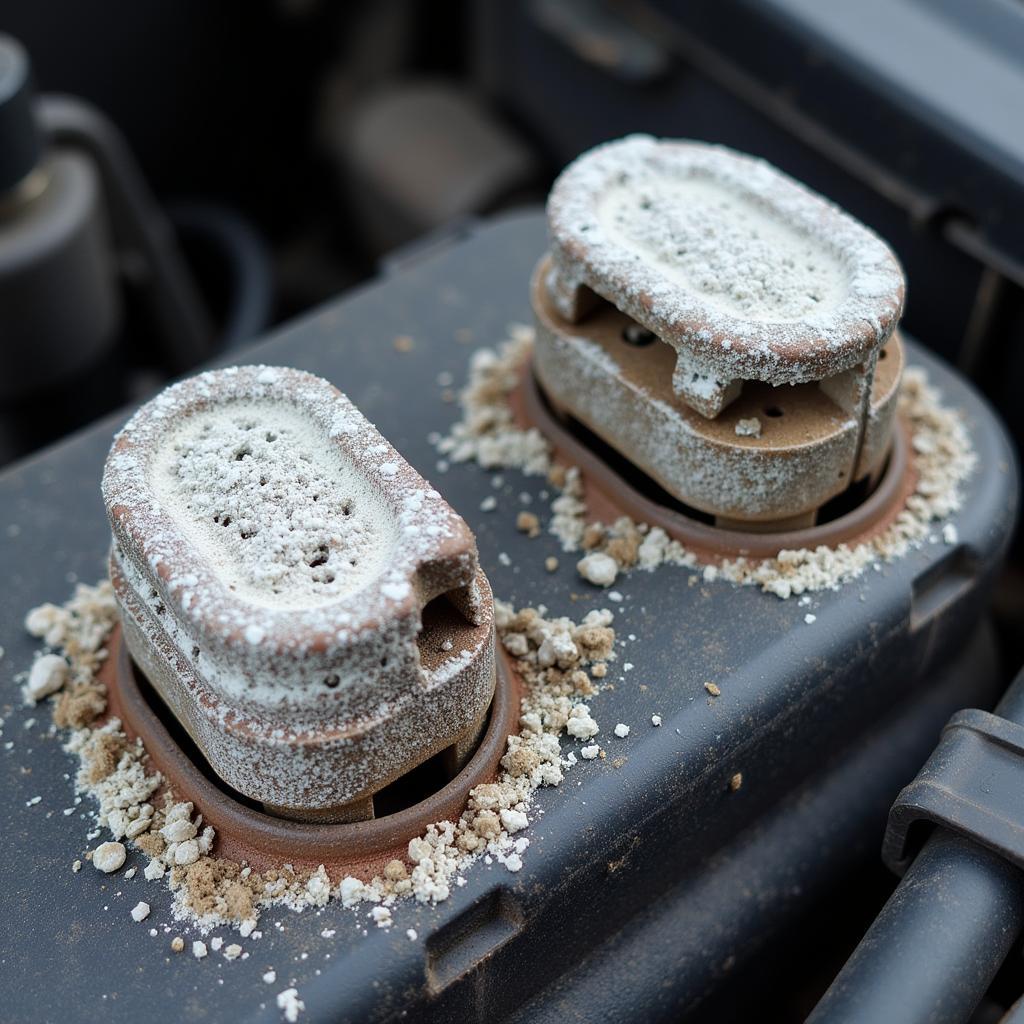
(289, 1003)
(722, 245)
(48, 674)
(737, 480)
(268, 535)
(287, 521)
(944, 458)
(745, 272)
(487, 433)
(558, 661)
(216, 490)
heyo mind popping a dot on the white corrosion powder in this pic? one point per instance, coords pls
(287, 521)
(722, 246)
(290, 1004)
(48, 674)
(487, 434)
(737, 262)
(598, 568)
(108, 857)
(558, 661)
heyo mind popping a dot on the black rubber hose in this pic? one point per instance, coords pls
(937, 944)
(245, 263)
(933, 951)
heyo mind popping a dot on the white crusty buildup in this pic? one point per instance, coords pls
(746, 273)
(598, 568)
(179, 846)
(108, 857)
(48, 674)
(943, 456)
(289, 1003)
(272, 556)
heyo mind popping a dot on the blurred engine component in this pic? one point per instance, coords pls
(77, 223)
(59, 304)
(423, 154)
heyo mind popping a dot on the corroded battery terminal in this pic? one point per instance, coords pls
(728, 331)
(308, 607)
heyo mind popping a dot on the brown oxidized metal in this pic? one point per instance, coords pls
(359, 848)
(309, 608)
(610, 495)
(725, 329)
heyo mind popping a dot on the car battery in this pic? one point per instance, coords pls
(749, 746)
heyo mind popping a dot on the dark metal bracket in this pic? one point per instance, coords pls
(972, 785)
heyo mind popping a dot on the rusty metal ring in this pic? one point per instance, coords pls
(610, 495)
(359, 848)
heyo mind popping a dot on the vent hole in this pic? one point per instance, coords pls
(774, 411)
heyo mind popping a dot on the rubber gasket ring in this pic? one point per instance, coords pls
(243, 833)
(610, 495)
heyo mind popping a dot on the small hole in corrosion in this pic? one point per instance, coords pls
(332, 681)
(634, 334)
(774, 411)
(882, 354)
